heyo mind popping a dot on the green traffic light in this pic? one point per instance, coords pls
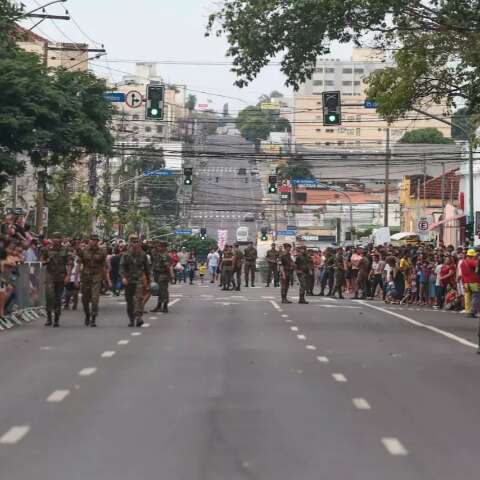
(272, 189)
(188, 181)
(154, 112)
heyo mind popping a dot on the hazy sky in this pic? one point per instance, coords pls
(152, 30)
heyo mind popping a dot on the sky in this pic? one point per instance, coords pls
(160, 30)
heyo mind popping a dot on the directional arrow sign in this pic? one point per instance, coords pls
(134, 99)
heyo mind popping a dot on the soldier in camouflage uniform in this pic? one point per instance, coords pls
(339, 273)
(250, 255)
(227, 267)
(272, 263)
(135, 272)
(304, 265)
(93, 272)
(56, 262)
(162, 274)
(238, 258)
(328, 273)
(287, 266)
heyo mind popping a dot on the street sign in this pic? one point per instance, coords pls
(187, 231)
(202, 106)
(422, 225)
(158, 173)
(114, 97)
(134, 99)
(305, 182)
(286, 233)
(370, 104)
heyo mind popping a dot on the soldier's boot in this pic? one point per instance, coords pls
(93, 321)
(302, 299)
(87, 319)
(49, 319)
(322, 292)
(131, 322)
(158, 308)
(56, 320)
(165, 307)
(139, 321)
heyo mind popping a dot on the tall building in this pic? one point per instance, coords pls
(361, 127)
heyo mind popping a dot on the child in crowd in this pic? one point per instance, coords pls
(202, 271)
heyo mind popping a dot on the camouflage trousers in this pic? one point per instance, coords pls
(302, 280)
(285, 283)
(134, 299)
(91, 288)
(53, 294)
(162, 281)
(249, 272)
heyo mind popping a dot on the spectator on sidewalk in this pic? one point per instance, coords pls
(471, 281)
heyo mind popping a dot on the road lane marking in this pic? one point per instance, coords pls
(108, 354)
(294, 329)
(86, 372)
(275, 305)
(152, 318)
(268, 298)
(14, 435)
(288, 321)
(394, 446)
(323, 359)
(58, 396)
(436, 330)
(339, 377)
(173, 302)
(136, 334)
(123, 342)
(301, 337)
(361, 404)
(146, 325)
(284, 316)
(311, 347)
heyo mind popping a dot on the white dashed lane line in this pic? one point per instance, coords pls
(146, 325)
(173, 302)
(14, 435)
(58, 396)
(86, 372)
(323, 359)
(339, 377)
(276, 305)
(123, 342)
(301, 337)
(136, 334)
(294, 329)
(108, 354)
(311, 347)
(394, 446)
(361, 404)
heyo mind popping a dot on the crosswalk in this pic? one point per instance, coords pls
(217, 170)
(218, 215)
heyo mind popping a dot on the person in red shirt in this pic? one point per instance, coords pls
(471, 283)
(446, 277)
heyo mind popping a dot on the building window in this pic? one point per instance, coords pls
(148, 129)
(317, 93)
(347, 94)
(318, 130)
(136, 117)
(318, 82)
(357, 142)
(159, 129)
(329, 83)
(356, 82)
(359, 70)
(135, 128)
(329, 70)
(347, 82)
(359, 118)
(357, 132)
(329, 130)
(340, 142)
(319, 70)
(347, 70)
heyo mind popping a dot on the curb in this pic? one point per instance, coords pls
(20, 317)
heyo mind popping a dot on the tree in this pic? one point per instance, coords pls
(255, 123)
(191, 102)
(295, 170)
(201, 247)
(435, 44)
(425, 135)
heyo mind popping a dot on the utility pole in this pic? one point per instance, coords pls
(387, 176)
(424, 184)
(443, 186)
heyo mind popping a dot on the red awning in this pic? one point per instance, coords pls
(433, 226)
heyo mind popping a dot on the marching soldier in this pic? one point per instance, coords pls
(328, 273)
(162, 274)
(272, 261)
(287, 266)
(56, 261)
(250, 255)
(93, 272)
(237, 266)
(304, 266)
(134, 271)
(339, 273)
(227, 267)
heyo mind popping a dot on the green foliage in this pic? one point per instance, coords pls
(194, 242)
(9, 12)
(255, 123)
(295, 169)
(191, 102)
(425, 135)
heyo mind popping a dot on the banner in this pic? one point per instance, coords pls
(222, 236)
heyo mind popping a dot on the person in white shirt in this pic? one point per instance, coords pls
(213, 259)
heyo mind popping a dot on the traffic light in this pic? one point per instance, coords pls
(203, 233)
(332, 108)
(155, 99)
(272, 184)
(264, 236)
(187, 176)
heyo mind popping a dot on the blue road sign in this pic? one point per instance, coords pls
(306, 182)
(286, 233)
(187, 231)
(114, 96)
(158, 173)
(370, 104)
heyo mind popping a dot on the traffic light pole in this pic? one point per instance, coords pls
(387, 178)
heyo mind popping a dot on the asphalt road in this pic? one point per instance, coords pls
(238, 386)
(221, 197)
